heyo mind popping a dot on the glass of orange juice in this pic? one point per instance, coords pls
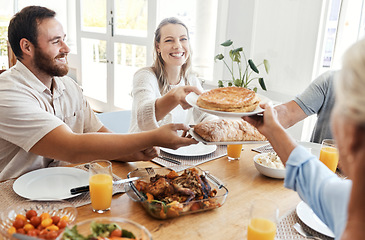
(234, 151)
(329, 154)
(262, 222)
(101, 185)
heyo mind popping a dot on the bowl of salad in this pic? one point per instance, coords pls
(106, 228)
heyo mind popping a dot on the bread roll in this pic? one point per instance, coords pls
(227, 130)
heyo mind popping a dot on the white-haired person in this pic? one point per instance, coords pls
(159, 91)
(326, 193)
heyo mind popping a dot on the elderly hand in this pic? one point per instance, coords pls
(266, 123)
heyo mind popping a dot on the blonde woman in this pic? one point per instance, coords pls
(159, 91)
(336, 202)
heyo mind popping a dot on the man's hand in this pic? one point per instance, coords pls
(145, 155)
(167, 136)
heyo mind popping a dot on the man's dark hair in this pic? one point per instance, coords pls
(24, 24)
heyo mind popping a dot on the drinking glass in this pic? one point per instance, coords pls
(101, 185)
(234, 151)
(329, 154)
(263, 219)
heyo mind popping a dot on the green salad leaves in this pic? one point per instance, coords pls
(98, 230)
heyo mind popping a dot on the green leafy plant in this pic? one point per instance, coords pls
(245, 68)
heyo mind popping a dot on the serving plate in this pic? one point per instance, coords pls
(192, 97)
(198, 149)
(50, 183)
(200, 139)
(309, 218)
(161, 210)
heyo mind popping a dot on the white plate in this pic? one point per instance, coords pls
(200, 139)
(50, 183)
(308, 217)
(198, 149)
(192, 97)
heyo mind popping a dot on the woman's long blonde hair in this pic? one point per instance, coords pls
(158, 66)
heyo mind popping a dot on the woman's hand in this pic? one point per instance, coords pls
(180, 93)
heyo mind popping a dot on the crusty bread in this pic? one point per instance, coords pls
(229, 99)
(227, 130)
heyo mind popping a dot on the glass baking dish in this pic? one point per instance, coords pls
(163, 210)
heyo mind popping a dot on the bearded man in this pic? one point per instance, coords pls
(44, 118)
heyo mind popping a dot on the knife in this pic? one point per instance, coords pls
(86, 188)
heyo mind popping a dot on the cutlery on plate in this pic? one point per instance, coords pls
(86, 188)
(170, 160)
(304, 233)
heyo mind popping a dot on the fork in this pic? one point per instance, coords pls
(304, 233)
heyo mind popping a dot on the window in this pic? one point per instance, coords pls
(6, 12)
(117, 40)
(111, 39)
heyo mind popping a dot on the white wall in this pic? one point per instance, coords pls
(286, 32)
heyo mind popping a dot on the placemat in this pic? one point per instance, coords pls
(267, 148)
(285, 230)
(9, 197)
(190, 160)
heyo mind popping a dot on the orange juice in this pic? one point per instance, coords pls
(234, 151)
(329, 156)
(101, 189)
(261, 229)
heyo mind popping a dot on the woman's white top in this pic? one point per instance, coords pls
(145, 93)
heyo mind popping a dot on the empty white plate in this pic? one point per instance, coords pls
(198, 149)
(309, 218)
(50, 183)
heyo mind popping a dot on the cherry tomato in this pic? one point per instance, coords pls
(11, 230)
(31, 213)
(46, 222)
(27, 227)
(33, 233)
(116, 233)
(18, 223)
(45, 215)
(35, 221)
(52, 235)
(55, 219)
(22, 217)
(20, 230)
(62, 224)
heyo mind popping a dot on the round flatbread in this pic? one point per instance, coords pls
(229, 99)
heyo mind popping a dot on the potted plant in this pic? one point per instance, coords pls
(245, 68)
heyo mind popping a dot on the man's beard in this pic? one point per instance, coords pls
(48, 64)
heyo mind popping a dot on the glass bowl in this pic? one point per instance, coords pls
(268, 171)
(59, 208)
(139, 231)
(161, 210)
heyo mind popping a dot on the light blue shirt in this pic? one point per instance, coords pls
(326, 193)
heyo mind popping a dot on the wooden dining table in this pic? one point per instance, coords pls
(244, 183)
